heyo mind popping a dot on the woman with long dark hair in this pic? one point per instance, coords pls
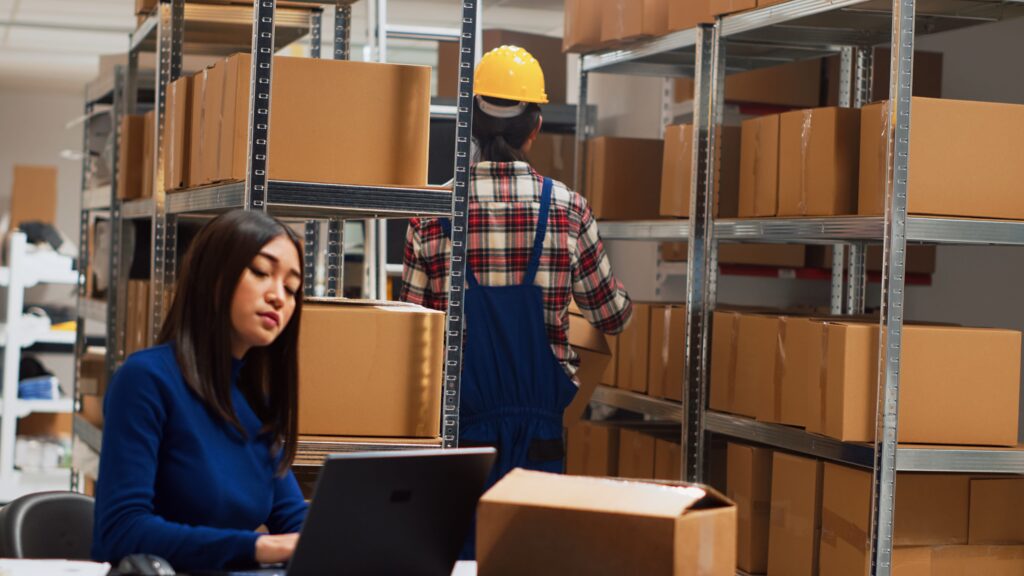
(200, 430)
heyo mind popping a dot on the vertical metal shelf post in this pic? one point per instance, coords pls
(460, 217)
(311, 236)
(584, 130)
(83, 267)
(123, 104)
(259, 104)
(708, 95)
(335, 258)
(893, 283)
(856, 278)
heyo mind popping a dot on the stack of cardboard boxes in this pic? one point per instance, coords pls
(804, 517)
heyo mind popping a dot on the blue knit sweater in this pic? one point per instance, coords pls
(177, 481)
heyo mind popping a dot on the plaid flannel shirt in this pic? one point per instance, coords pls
(503, 210)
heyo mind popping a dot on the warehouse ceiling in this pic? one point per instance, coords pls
(55, 44)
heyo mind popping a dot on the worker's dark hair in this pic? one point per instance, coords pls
(502, 139)
(199, 326)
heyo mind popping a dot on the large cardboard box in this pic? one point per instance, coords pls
(582, 31)
(131, 165)
(677, 171)
(931, 510)
(148, 154)
(668, 459)
(756, 367)
(630, 19)
(554, 156)
(801, 340)
(350, 384)
(138, 321)
(724, 342)
(666, 352)
(795, 517)
(759, 167)
(546, 49)
(33, 194)
(624, 178)
(969, 560)
(92, 372)
(317, 118)
(818, 162)
(634, 350)
(177, 122)
(44, 424)
(773, 255)
(592, 449)
(996, 507)
(610, 376)
(722, 7)
(92, 410)
(686, 14)
(143, 7)
(955, 146)
(749, 485)
(957, 385)
(636, 453)
(592, 347)
(603, 527)
(196, 126)
(792, 85)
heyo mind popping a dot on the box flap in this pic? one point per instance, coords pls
(584, 335)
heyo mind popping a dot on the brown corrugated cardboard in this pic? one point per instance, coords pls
(931, 510)
(553, 156)
(42, 424)
(592, 347)
(795, 517)
(631, 19)
(722, 7)
(950, 135)
(677, 171)
(624, 178)
(634, 350)
(686, 14)
(177, 122)
(636, 454)
(33, 194)
(980, 560)
(603, 527)
(818, 162)
(724, 341)
(668, 459)
(92, 410)
(957, 385)
(546, 49)
(143, 7)
(759, 167)
(610, 376)
(756, 370)
(582, 31)
(592, 449)
(801, 344)
(920, 259)
(749, 485)
(912, 561)
(317, 118)
(196, 125)
(131, 158)
(148, 156)
(774, 255)
(92, 372)
(666, 351)
(137, 323)
(349, 384)
(927, 75)
(996, 507)
(793, 85)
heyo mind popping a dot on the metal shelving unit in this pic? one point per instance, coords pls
(795, 30)
(177, 27)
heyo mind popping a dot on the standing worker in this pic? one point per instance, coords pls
(533, 245)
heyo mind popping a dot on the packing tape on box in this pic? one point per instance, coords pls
(780, 368)
(665, 350)
(883, 154)
(835, 528)
(752, 209)
(734, 347)
(805, 142)
(823, 377)
(201, 101)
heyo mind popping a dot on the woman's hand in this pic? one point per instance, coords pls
(275, 548)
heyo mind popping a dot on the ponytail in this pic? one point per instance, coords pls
(502, 139)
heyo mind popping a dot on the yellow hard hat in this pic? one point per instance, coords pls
(512, 73)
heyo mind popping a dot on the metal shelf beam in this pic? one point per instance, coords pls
(657, 408)
(136, 209)
(85, 431)
(223, 29)
(96, 198)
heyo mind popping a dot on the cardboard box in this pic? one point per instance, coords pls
(634, 350)
(33, 194)
(610, 376)
(792, 85)
(801, 343)
(756, 369)
(148, 154)
(554, 156)
(631, 19)
(996, 506)
(196, 127)
(138, 321)
(592, 449)
(546, 49)
(921, 259)
(948, 137)
(749, 485)
(624, 178)
(143, 7)
(667, 352)
(582, 32)
(603, 527)
(957, 386)
(724, 341)
(686, 14)
(177, 133)
(795, 516)
(591, 346)
(131, 165)
(723, 7)
(912, 561)
(92, 372)
(987, 560)
(45, 425)
(818, 162)
(759, 167)
(668, 459)
(677, 172)
(931, 510)
(350, 384)
(773, 255)
(636, 454)
(317, 118)
(92, 410)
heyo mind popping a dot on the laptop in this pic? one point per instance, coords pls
(402, 512)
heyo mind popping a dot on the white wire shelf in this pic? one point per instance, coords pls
(48, 336)
(43, 267)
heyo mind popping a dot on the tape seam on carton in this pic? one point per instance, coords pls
(734, 345)
(823, 377)
(706, 548)
(757, 192)
(805, 141)
(665, 351)
(780, 363)
(202, 124)
(882, 172)
(840, 528)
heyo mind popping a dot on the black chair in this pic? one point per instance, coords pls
(47, 525)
